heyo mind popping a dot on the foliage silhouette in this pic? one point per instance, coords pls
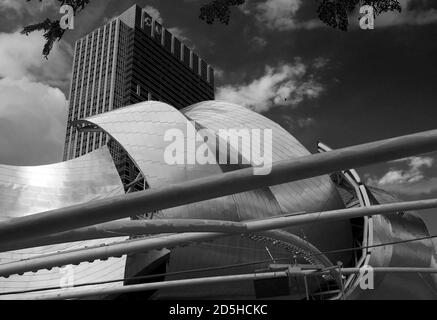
(334, 13)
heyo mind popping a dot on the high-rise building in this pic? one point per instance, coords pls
(130, 59)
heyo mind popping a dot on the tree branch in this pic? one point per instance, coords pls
(218, 9)
(52, 29)
(334, 13)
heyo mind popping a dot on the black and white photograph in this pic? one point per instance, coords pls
(223, 157)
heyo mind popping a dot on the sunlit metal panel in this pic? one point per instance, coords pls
(418, 254)
(309, 195)
(29, 190)
(141, 129)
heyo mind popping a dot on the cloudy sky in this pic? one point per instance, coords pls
(275, 57)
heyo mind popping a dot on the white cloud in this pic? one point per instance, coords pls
(32, 110)
(320, 62)
(22, 6)
(291, 122)
(259, 42)
(154, 13)
(422, 187)
(306, 122)
(20, 56)
(32, 122)
(181, 35)
(176, 31)
(410, 180)
(279, 15)
(414, 12)
(411, 18)
(281, 86)
(411, 175)
(10, 4)
(218, 73)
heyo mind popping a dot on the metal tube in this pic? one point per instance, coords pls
(129, 228)
(133, 183)
(169, 241)
(83, 293)
(153, 227)
(339, 214)
(347, 271)
(238, 181)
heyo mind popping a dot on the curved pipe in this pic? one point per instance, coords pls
(140, 245)
(78, 293)
(129, 228)
(161, 226)
(238, 181)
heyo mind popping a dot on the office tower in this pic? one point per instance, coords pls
(130, 59)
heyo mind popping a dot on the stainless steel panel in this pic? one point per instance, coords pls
(140, 129)
(309, 195)
(28, 190)
(421, 254)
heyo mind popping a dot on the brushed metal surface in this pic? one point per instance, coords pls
(140, 129)
(218, 185)
(29, 190)
(308, 195)
(418, 254)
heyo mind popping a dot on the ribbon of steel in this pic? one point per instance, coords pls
(215, 186)
(119, 249)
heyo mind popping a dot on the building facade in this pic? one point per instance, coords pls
(130, 59)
